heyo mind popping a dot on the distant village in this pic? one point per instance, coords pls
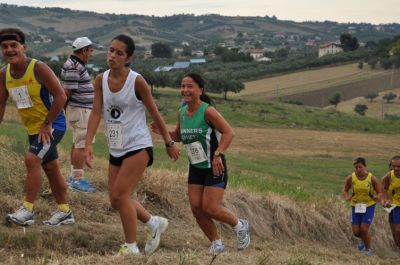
(247, 46)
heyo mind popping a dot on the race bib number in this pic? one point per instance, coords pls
(114, 136)
(196, 153)
(21, 97)
(360, 208)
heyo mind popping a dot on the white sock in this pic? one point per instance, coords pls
(133, 247)
(217, 242)
(238, 226)
(152, 223)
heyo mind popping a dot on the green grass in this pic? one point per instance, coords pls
(297, 177)
(241, 113)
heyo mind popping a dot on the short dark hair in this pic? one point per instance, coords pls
(396, 157)
(6, 33)
(360, 160)
(130, 44)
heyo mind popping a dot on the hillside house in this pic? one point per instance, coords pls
(256, 53)
(197, 61)
(329, 48)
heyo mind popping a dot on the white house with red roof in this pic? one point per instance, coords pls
(329, 48)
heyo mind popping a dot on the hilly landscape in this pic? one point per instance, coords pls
(52, 27)
(291, 152)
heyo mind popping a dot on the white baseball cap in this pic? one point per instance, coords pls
(80, 43)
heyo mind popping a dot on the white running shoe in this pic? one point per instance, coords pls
(153, 237)
(21, 217)
(243, 235)
(60, 218)
(216, 248)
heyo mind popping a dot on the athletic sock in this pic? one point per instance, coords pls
(152, 223)
(28, 206)
(132, 247)
(238, 226)
(63, 207)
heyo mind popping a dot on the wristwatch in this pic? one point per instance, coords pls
(170, 143)
(218, 153)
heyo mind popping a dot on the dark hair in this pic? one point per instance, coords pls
(202, 84)
(393, 158)
(6, 33)
(130, 44)
(360, 160)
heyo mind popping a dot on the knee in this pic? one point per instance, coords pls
(210, 210)
(115, 200)
(196, 210)
(364, 231)
(32, 161)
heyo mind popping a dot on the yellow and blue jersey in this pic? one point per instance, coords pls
(363, 190)
(35, 102)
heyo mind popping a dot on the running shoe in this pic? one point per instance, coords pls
(243, 235)
(83, 185)
(126, 250)
(361, 246)
(21, 217)
(216, 248)
(60, 218)
(153, 237)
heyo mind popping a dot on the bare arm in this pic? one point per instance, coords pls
(385, 188)
(143, 91)
(346, 188)
(94, 119)
(214, 118)
(3, 93)
(378, 189)
(175, 134)
(45, 76)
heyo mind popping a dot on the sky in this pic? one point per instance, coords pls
(369, 11)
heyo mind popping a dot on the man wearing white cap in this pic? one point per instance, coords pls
(78, 87)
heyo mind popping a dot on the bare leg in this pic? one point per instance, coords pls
(56, 181)
(203, 220)
(212, 206)
(122, 181)
(33, 178)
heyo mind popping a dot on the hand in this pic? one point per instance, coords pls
(45, 136)
(217, 166)
(89, 156)
(347, 197)
(154, 128)
(386, 203)
(173, 152)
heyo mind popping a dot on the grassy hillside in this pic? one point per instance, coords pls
(285, 181)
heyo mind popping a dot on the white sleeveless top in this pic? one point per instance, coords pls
(124, 118)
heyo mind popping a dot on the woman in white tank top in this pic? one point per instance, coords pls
(123, 96)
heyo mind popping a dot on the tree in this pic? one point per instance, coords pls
(348, 42)
(389, 97)
(335, 99)
(187, 51)
(361, 109)
(360, 65)
(161, 50)
(224, 83)
(371, 96)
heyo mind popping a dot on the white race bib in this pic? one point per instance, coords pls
(196, 153)
(360, 208)
(114, 135)
(21, 97)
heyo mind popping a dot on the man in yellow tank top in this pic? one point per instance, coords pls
(391, 197)
(366, 191)
(39, 98)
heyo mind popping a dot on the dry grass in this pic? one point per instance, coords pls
(377, 108)
(283, 231)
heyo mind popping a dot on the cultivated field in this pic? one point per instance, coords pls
(377, 108)
(315, 87)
